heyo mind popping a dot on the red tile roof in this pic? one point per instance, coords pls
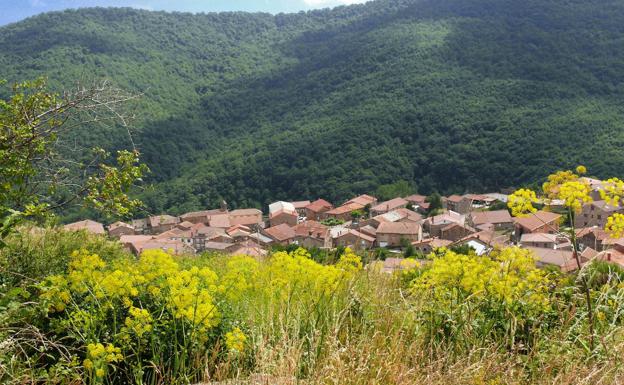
(88, 225)
(319, 205)
(537, 219)
(363, 200)
(410, 228)
(494, 217)
(346, 208)
(390, 205)
(280, 232)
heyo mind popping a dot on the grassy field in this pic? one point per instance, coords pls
(77, 309)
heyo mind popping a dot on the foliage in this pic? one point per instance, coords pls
(448, 95)
(35, 178)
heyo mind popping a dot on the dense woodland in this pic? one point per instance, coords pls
(444, 95)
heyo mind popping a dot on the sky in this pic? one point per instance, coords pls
(15, 10)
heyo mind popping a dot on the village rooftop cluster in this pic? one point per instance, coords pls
(364, 224)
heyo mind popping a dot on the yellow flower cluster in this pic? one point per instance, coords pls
(139, 321)
(615, 225)
(521, 202)
(235, 340)
(99, 357)
(575, 194)
(581, 170)
(554, 181)
(509, 277)
(613, 191)
(191, 296)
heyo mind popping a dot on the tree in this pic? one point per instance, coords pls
(435, 204)
(37, 177)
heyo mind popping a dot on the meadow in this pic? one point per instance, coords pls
(78, 309)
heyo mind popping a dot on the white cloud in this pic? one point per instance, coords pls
(328, 3)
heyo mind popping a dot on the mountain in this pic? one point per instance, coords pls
(446, 95)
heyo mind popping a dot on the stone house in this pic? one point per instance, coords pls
(391, 234)
(316, 210)
(117, 229)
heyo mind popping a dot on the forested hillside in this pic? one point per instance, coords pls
(448, 95)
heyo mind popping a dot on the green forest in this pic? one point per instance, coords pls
(445, 95)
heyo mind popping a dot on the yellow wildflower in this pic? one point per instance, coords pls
(235, 340)
(615, 225)
(521, 202)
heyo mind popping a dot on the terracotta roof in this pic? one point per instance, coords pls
(433, 242)
(363, 200)
(398, 228)
(175, 233)
(217, 246)
(88, 225)
(564, 259)
(277, 213)
(300, 204)
(119, 224)
(251, 250)
(611, 255)
(409, 214)
(368, 230)
(416, 198)
(346, 208)
(446, 218)
(390, 205)
(185, 225)
(455, 198)
(129, 239)
(319, 205)
(538, 237)
(280, 232)
(488, 237)
(356, 234)
(455, 224)
(281, 206)
(164, 219)
(202, 213)
(240, 212)
(537, 219)
(497, 216)
(175, 246)
(221, 220)
(589, 253)
(317, 229)
(598, 232)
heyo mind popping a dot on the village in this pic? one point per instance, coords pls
(477, 221)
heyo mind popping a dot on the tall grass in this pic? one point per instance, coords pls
(306, 323)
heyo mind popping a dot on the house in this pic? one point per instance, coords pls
(290, 218)
(611, 256)
(596, 213)
(248, 248)
(416, 199)
(239, 232)
(426, 246)
(316, 210)
(261, 239)
(483, 241)
(175, 234)
(219, 247)
(596, 186)
(455, 231)
(364, 200)
(202, 234)
(499, 219)
(592, 237)
(391, 234)
(387, 206)
(139, 243)
(281, 234)
(543, 240)
(312, 234)
(247, 217)
(537, 222)
(202, 216)
(353, 239)
(457, 203)
(479, 201)
(185, 225)
(88, 225)
(344, 212)
(161, 223)
(434, 225)
(141, 226)
(562, 259)
(300, 206)
(398, 215)
(368, 230)
(117, 229)
(220, 220)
